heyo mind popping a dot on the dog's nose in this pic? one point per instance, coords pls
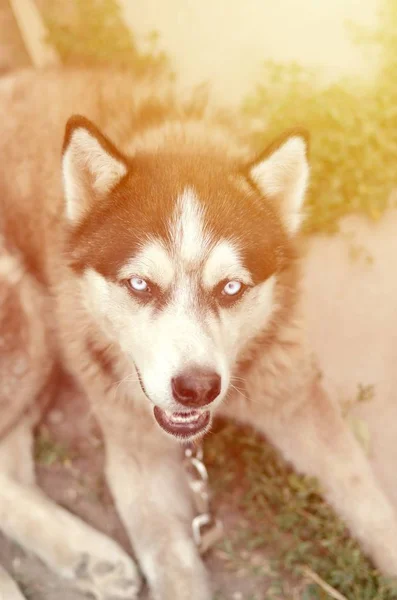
(196, 388)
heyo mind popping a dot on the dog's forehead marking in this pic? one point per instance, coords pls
(153, 262)
(224, 262)
(189, 236)
(192, 248)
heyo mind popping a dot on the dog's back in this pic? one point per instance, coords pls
(26, 353)
(31, 143)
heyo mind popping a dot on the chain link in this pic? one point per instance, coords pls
(207, 530)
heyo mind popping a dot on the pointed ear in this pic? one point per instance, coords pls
(282, 174)
(91, 166)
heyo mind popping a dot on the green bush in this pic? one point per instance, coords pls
(353, 128)
(93, 32)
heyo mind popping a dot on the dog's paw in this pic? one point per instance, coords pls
(108, 580)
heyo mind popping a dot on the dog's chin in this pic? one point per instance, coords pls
(184, 426)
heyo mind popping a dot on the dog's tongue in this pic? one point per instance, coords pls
(182, 424)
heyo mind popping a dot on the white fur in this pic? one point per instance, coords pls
(224, 262)
(284, 176)
(10, 269)
(161, 344)
(87, 170)
(190, 239)
(153, 262)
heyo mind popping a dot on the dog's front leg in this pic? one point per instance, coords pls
(145, 472)
(315, 439)
(8, 588)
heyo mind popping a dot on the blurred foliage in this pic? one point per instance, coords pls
(353, 127)
(93, 32)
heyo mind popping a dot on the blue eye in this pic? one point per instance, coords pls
(232, 288)
(139, 285)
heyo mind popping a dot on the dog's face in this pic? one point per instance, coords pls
(179, 255)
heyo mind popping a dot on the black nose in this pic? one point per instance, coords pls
(196, 388)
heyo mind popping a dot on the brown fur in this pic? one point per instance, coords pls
(43, 313)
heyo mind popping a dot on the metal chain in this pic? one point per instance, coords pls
(207, 530)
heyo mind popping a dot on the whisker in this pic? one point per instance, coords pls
(249, 399)
(128, 379)
(239, 392)
(235, 378)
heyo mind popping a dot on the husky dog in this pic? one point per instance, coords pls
(158, 264)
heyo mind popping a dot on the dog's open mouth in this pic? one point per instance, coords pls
(183, 424)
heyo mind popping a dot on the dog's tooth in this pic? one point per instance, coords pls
(180, 418)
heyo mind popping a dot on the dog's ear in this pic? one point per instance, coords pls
(282, 173)
(91, 166)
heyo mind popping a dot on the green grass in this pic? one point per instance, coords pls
(96, 34)
(285, 521)
(48, 451)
